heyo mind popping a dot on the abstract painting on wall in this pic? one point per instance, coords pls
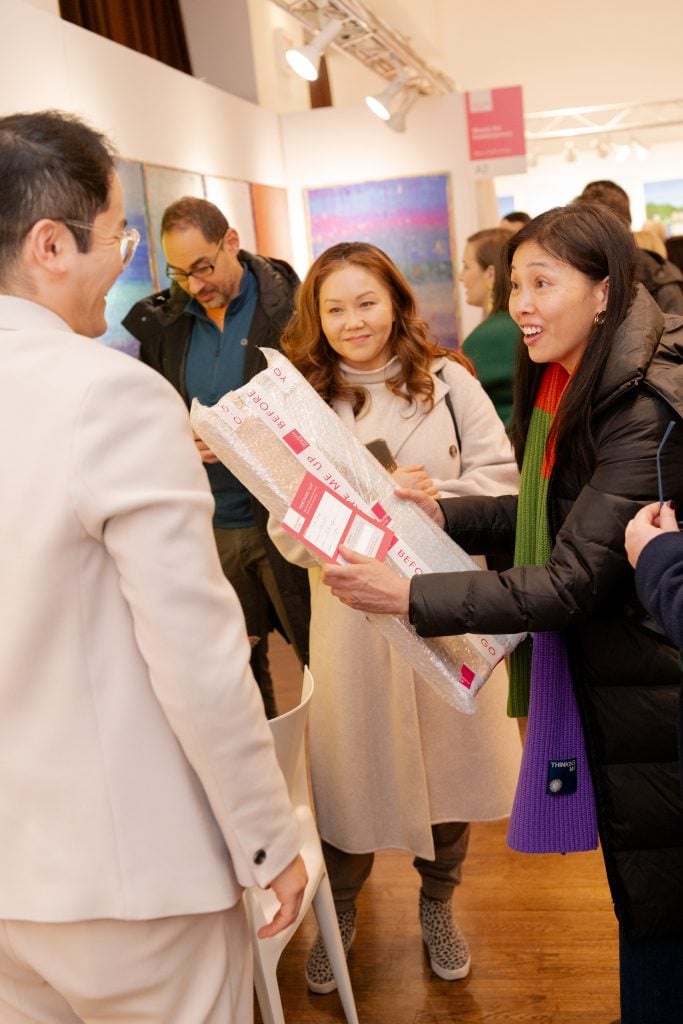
(664, 202)
(233, 198)
(411, 220)
(136, 281)
(163, 186)
(271, 221)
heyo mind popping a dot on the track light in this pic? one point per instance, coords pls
(387, 103)
(306, 60)
(404, 101)
(622, 152)
(570, 153)
(641, 151)
(603, 148)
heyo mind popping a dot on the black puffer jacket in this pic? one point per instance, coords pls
(663, 280)
(164, 335)
(625, 673)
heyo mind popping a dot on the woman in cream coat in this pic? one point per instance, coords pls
(393, 765)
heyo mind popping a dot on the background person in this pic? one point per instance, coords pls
(392, 764)
(139, 790)
(654, 545)
(603, 379)
(493, 344)
(663, 279)
(514, 220)
(204, 336)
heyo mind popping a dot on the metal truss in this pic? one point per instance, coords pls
(602, 120)
(368, 39)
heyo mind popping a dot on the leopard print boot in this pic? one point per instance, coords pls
(319, 976)
(449, 954)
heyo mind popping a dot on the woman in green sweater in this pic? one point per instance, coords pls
(492, 345)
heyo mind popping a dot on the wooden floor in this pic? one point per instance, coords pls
(541, 930)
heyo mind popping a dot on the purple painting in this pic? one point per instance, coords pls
(410, 219)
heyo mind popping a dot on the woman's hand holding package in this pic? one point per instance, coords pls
(367, 585)
(414, 478)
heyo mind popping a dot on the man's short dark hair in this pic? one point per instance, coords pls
(52, 165)
(190, 212)
(517, 217)
(609, 194)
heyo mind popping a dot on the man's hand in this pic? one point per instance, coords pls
(289, 888)
(205, 453)
(425, 501)
(647, 524)
(414, 478)
(367, 585)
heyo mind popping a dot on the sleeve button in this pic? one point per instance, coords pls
(259, 856)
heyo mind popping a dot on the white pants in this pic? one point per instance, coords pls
(195, 969)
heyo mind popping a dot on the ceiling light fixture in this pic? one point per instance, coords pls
(641, 151)
(622, 152)
(570, 153)
(387, 103)
(305, 60)
(371, 41)
(397, 121)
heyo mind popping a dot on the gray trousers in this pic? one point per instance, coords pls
(349, 871)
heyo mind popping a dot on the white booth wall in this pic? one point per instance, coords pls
(152, 112)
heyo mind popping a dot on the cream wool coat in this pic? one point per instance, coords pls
(389, 757)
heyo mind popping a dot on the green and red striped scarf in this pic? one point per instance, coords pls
(532, 539)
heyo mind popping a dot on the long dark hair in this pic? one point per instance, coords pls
(489, 247)
(305, 345)
(596, 242)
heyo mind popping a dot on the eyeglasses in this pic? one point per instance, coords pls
(128, 240)
(660, 485)
(201, 272)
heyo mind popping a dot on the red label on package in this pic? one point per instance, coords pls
(322, 520)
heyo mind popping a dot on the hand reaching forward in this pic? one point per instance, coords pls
(425, 501)
(650, 522)
(289, 888)
(367, 585)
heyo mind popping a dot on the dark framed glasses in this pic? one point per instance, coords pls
(204, 268)
(665, 438)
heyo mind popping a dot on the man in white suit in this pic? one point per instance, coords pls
(139, 790)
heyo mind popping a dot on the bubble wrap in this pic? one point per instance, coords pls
(272, 431)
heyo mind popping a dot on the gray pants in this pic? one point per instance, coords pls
(349, 871)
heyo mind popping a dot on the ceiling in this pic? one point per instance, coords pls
(600, 70)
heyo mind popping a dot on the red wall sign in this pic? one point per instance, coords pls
(495, 124)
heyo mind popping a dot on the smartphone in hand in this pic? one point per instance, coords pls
(380, 449)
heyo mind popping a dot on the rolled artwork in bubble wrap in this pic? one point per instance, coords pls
(273, 431)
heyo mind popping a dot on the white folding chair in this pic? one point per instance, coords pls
(261, 904)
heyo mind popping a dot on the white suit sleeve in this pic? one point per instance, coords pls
(139, 488)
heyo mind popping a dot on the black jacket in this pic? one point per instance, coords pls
(164, 334)
(663, 280)
(625, 672)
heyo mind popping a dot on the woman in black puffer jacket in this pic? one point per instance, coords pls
(573, 295)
